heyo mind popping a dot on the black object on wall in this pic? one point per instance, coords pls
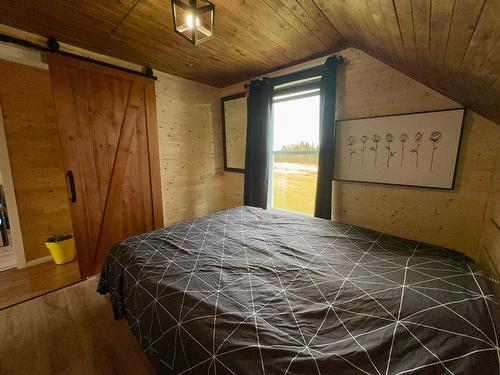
(4, 220)
(53, 46)
(257, 148)
(323, 204)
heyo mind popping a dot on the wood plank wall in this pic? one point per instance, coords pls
(235, 115)
(190, 151)
(489, 244)
(448, 218)
(35, 155)
(189, 134)
(454, 219)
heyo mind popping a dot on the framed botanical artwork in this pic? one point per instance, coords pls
(416, 149)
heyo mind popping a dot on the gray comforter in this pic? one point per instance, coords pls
(246, 291)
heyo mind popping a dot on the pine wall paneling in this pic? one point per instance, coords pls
(233, 189)
(35, 155)
(450, 45)
(190, 138)
(489, 244)
(454, 219)
(235, 121)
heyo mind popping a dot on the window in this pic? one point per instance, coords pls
(295, 140)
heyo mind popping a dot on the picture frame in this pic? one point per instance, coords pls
(234, 128)
(419, 149)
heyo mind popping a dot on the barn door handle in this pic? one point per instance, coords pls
(71, 183)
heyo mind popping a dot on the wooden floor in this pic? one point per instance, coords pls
(7, 258)
(69, 331)
(18, 285)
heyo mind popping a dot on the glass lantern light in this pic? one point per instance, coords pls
(194, 19)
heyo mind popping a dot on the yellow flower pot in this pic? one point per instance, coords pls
(62, 251)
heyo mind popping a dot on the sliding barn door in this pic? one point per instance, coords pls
(107, 127)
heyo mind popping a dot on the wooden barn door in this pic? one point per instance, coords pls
(107, 127)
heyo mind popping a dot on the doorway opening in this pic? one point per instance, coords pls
(35, 193)
(10, 232)
(295, 148)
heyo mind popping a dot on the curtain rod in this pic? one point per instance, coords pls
(54, 47)
(295, 76)
(301, 74)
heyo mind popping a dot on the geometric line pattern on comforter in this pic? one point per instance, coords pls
(247, 291)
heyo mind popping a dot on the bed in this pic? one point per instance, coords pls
(249, 291)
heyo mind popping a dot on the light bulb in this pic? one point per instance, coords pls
(189, 21)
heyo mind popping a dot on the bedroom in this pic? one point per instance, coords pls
(396, 275)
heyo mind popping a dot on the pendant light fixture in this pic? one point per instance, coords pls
(194, 19)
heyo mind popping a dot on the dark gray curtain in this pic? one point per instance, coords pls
(257, 149)
(323, 205)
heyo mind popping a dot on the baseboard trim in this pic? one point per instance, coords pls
(34, 262)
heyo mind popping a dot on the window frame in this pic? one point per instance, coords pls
(295, 91)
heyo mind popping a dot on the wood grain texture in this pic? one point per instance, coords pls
(453, 46)
(188, 127)
(454, 219)
(35, 155)
(190, 139)
(8, 258)
(234, 184)
(448, 218)
(235, 117)
(13, 255)
(18, 285)
(489, 245)
(142, 32)
(154, 154)
(70, 331)
(102, 115)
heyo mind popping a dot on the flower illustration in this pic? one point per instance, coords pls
(364, 138)
(351, 141)
(376, 140)
(389, 138)
(434, 138)
(418, 141)
(403, 138)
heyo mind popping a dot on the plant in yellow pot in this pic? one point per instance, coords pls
(62, 247)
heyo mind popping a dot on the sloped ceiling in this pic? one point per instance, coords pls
(453, 46)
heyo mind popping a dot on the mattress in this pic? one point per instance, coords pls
(249, 291)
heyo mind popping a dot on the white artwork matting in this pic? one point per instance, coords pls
(418, 149)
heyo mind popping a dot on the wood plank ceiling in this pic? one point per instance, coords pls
(453, 46)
